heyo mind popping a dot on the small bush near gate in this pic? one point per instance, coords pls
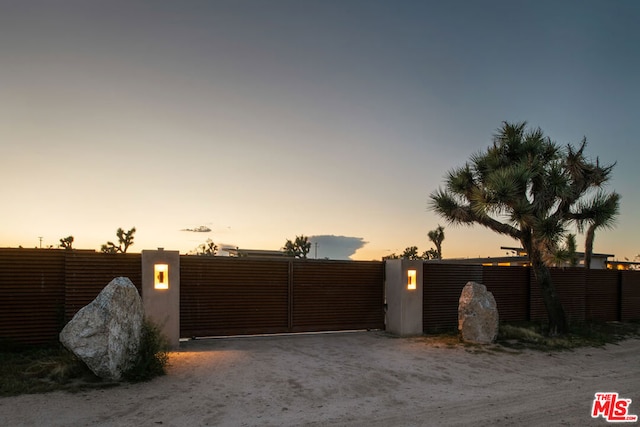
(152, 356)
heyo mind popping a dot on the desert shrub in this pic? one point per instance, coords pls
(580, 334)
(152, 357)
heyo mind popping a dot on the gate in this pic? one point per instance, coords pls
(243, 296)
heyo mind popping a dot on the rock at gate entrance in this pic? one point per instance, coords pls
(105, 334)
(477, 314)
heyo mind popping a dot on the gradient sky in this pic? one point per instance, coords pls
(263, 120)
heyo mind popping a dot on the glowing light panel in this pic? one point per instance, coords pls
(161, 276)
(411, 279)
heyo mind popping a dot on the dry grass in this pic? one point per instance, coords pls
(40, 370)
(25, 370)
(585, 334)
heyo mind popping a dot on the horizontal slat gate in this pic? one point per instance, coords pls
(233, 296)
(337, 295)
(31, 295)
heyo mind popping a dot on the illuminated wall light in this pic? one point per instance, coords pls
(161, 276)
(411, 279)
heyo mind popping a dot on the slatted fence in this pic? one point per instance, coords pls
(42, 289)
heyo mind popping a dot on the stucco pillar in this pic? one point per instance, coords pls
(161, 291)
(403, 293)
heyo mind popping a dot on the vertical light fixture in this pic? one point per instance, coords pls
(411, 279)
(161, 276)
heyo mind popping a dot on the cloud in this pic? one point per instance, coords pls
(198, 229)
(335, 247)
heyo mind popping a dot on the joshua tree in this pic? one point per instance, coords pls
(298, 248)
(66, 242)
(125, 239)
(605, 208)
(437, 236)
(527, 187)
(207, 249)
(410, 253)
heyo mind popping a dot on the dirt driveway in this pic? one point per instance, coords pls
(352, 379)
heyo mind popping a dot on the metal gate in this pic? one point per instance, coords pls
(242, 296)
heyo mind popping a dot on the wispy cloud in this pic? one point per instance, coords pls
(198, 229)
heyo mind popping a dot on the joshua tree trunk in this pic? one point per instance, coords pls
(588, 245)
(555, 311)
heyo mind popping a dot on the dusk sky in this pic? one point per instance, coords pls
(263, 120)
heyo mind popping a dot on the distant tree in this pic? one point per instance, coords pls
(66, 242)
(298, 248)
(125, 239)
(568, 254)
(431, 254)
(572, 251)
(604, 208)
(207, 248)
(410, 253)
(527, 187)
(437, 236)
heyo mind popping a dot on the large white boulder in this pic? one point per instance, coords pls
(477, 314)
(105, 334)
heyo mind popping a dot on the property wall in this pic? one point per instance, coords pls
(31, 295)
(629, 295)
(442, 285)
(88, 272)
(41, 289)
(604, 295)
(570, 284)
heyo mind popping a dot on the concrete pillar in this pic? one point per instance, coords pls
(161, 291)
(403, 292)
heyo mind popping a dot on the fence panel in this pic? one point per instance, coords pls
(630, 296)
(233, 296)
(570, 285)
(88, 272)
(31, 295)
(442, 285)
(337, 295)
(510, 288)
(602, 295)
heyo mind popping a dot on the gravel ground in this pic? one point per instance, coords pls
(350, 379)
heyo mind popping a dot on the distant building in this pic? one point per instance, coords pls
(519, 258)
(255, 253)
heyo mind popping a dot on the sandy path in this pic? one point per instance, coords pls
(355, 379)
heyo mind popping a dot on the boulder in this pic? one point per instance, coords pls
(105, 334)
(477, 314)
